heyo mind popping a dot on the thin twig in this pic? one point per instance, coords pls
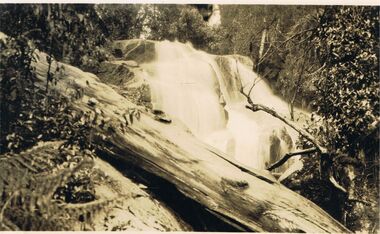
(5, 206)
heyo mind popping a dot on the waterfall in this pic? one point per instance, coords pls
(203, 92)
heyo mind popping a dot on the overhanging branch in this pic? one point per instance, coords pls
(287, 156)
(317, 146)
(258, 107)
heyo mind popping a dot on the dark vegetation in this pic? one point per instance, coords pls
(336, 63)
(325, 59)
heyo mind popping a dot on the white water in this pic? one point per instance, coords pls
(203, 92)
(214, 19)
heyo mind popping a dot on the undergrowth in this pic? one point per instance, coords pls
(48, 187)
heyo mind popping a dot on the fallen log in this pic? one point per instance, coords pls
(252, 201)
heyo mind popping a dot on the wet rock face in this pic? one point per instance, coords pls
(280, 142)
(139, 50)
(115, 74)
(275, 148)
(284, 135)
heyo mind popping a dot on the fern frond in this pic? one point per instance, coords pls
(88, 210)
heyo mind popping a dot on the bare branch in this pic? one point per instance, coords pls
(287, 156)
(367, 203)
(242, 87)
(258, 107)
(318, 147)
(336, 184)
(308, 136)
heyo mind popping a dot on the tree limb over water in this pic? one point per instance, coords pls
(259, 107)
(317, 145)
(287, 156)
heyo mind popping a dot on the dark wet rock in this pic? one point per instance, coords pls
(92, 102)
(159, 115)
(163, 119)
(139, 50)
(115, 74)
(118, 53)
(158, 112)
(284, 135)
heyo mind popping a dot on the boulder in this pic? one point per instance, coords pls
(118, 53)
(159, 115)
(92, 102)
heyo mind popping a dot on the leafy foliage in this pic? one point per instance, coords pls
(29, 114)
(49, 187)
(69, 32)
(191, 27)
(17, 85)
(26, 193)
(123, 21)
(181, 22)
(33, 114)
(348, 91)
(160, 24)
(347, 111)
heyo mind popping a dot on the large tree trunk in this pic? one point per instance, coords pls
(261, 48)
(245, 198)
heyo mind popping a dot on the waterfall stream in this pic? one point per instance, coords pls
(203, 92)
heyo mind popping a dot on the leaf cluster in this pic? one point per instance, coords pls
(48, 188)
(122, 21)
(73, 33)
(348, 91)
(179, 22)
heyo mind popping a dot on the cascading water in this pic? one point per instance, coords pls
(204, 92)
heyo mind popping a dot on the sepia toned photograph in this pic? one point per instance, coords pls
(187, 117)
